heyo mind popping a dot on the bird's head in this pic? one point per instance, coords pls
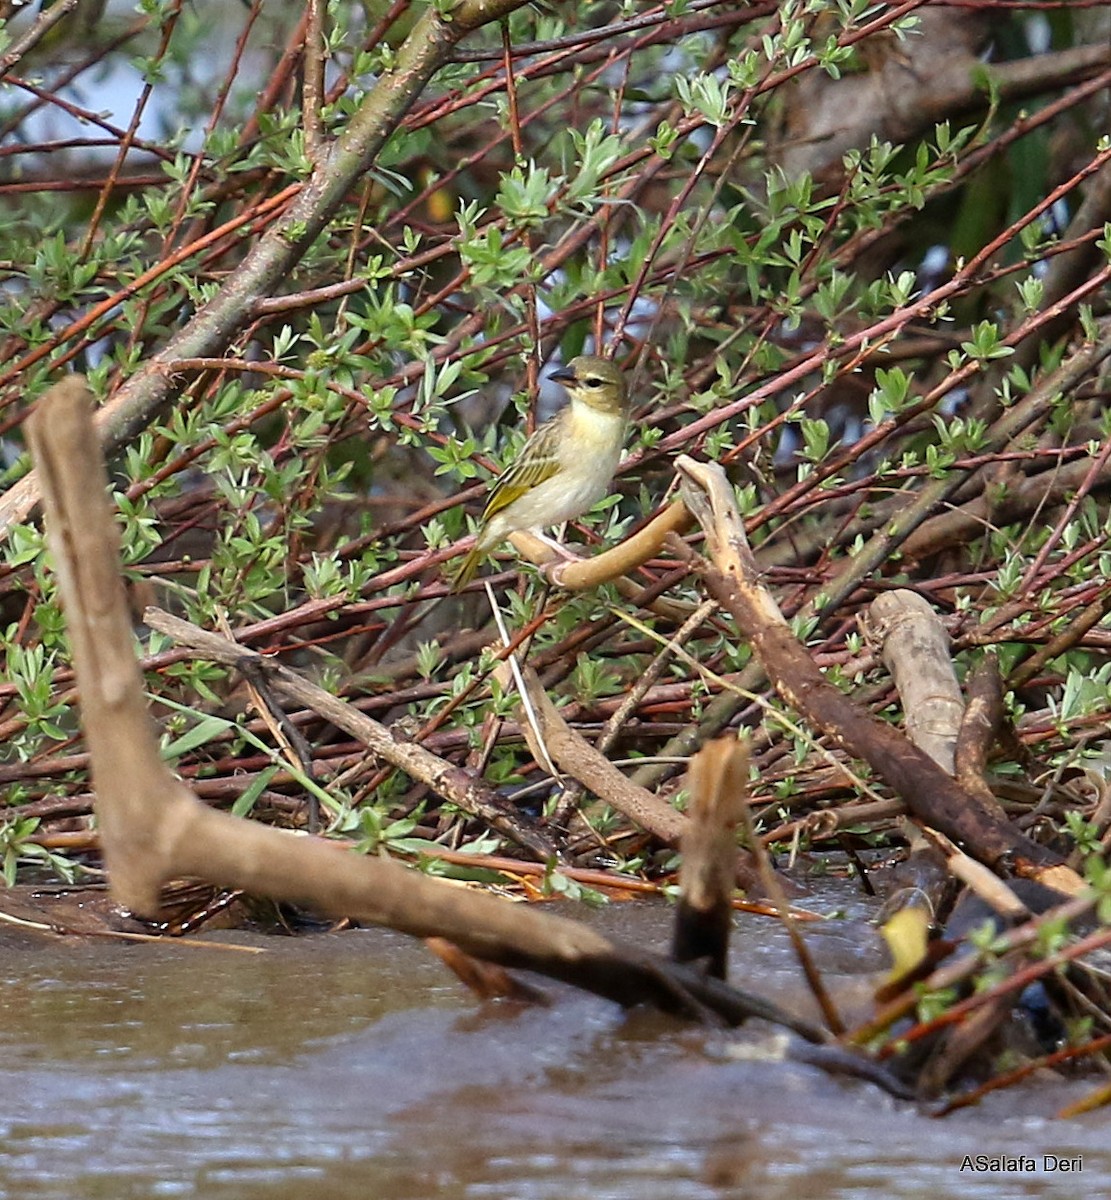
(595, 381)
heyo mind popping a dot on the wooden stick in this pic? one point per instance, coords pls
(718, 781)
(470, 793)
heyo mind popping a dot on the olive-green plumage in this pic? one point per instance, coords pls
(565, 467)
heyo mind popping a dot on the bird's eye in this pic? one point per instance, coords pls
(594, 381)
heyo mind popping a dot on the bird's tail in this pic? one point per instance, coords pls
(468, 568)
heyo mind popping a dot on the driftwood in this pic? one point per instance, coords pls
(932, 795)
(718, 781)
(154, 829)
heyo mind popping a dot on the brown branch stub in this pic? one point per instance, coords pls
(708, 495)
(717, 781)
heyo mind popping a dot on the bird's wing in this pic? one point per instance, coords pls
(537, 461)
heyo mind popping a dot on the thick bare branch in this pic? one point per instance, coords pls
(915, 649)
(444, 778)
(928, 791)
(574, 754)
(269, 262)
(980, 726)
(578, 758)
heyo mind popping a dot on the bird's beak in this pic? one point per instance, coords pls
(563, 376)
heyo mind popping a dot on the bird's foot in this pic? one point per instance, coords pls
(557, 547)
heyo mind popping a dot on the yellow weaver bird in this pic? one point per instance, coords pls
(565, 467)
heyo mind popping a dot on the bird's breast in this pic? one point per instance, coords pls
(589, 453)
(601, 433)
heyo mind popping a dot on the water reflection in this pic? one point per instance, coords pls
(350, 1065)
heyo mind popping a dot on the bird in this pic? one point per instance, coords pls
(565, 467)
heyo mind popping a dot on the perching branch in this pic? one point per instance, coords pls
(579, 574)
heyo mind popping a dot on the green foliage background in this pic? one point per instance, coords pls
(843, 338)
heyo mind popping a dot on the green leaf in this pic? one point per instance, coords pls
(204, 731)
(250, 795)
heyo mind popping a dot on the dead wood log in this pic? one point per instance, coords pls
(732, 577)
(915, 649)
(914, 646)
(154, 829)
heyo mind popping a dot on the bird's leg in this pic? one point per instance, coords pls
(555, 545)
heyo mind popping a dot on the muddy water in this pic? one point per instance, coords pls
(351, 1066)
